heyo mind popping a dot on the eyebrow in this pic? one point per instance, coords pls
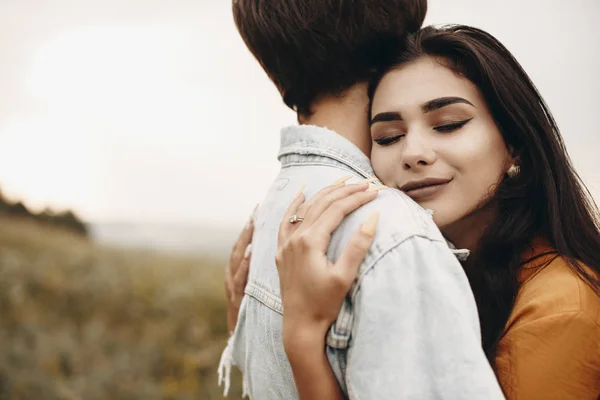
(441, 102)
(430, 106)
(386, 117)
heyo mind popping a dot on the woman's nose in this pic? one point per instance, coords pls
(417, 153)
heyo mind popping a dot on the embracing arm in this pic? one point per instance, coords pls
(312, 287)
(312, 373)
(236, 273)
(416, 333)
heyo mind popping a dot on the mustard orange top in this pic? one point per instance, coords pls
(551, 344)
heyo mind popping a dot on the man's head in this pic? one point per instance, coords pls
(316, 48)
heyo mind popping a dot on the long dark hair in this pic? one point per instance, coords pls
(547, 199)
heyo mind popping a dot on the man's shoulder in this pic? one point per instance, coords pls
(400, 218)
(400, 213)
(406, 242)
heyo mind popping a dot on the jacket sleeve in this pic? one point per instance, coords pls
(415, 333)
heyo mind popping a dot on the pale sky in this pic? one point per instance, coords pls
(148, 110)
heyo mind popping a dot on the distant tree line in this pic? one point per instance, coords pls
(62, 219)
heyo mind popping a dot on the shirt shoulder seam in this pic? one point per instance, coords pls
(577, 314)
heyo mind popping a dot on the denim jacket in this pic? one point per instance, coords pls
(408, 329)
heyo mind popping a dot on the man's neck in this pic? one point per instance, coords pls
(347, 115)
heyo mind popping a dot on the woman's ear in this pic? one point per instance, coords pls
(513, 156)
(513, 163)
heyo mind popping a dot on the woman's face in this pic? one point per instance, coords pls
(435, 139)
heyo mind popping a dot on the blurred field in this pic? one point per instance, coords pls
(80, 321)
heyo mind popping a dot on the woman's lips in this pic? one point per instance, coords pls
(426, 192)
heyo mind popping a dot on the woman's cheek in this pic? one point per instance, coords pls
(384, 165)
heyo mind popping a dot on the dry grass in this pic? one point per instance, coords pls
(78, 321)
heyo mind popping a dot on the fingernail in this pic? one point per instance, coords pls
(248, 251)
(376, 188)
(369, 226)
(252, 216)
(249, 222)
(341, 180)
(300, 191)
(370, 180)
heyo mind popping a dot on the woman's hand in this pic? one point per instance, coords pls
(236, 273)
(312, 287)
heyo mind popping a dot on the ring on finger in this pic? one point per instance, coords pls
(294, 219)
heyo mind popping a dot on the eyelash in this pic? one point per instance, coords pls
(452, 126)
(440, 128)
(388, 140)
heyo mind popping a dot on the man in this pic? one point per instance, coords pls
(320, 54)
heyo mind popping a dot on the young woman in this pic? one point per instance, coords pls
(460, 128)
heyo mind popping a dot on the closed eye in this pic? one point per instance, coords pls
(388, 140)
(452, 126)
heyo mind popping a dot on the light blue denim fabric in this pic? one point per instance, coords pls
(408, 329)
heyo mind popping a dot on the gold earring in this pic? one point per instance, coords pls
(513, 171)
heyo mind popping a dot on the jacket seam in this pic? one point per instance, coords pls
(339, 334)
(324, 164)
(385, 252)
(264, 296)
(337, 156)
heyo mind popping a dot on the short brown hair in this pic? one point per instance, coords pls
(311, 48)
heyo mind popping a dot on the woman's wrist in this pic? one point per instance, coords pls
(306, 355)
(306, 340)
(305, 349)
